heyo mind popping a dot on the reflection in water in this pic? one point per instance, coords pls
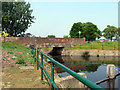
(93, 67)
(111, 83)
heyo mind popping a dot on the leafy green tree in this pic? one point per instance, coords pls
(16, 17)
(66, 36)
(110, 32)
(51, 36)
(88, 30)
(74, 32)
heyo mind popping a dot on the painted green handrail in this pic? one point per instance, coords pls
(85, 81)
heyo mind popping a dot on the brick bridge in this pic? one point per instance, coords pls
(50, 42)
(56, 43)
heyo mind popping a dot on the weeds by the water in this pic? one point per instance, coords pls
(86, 54)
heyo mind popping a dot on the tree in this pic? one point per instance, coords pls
(88, 30)
(51, 36)
(74, 32)
(16, 17)
(66, 36)
(110, 32)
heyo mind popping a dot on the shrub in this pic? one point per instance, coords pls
(10, 52)
(86, 54)
(13, 58)
(24, 64)
(12, 65)
(20, 61)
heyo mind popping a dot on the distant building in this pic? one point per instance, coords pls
(26, 35)
(114, 39)
(102, 39)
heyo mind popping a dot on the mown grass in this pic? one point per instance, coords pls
(106, 45)
(23, 53)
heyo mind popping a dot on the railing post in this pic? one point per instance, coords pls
(114, 47)
(52, 74)
(91, 46)
(102, 46)
(35, 54)
(41, 66)
(80, 46)
(37, 60)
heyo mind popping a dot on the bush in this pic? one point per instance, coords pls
(86, 54)
(24, 64)
(10, 52)
(12, 65)
(20, 61)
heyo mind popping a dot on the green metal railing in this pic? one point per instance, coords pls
(96, 46)
(85, 81)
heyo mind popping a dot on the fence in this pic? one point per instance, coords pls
(96, 46)
(36, 53)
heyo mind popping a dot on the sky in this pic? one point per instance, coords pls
(57, 18)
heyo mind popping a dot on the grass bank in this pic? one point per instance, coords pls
(14, 56)
(22, 53)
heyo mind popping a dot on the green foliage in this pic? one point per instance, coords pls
(13, 58)
(10, 52)
(44, 82)
(89, 67)
(12, 66)
(22, 52)
(24, 64)
(110, 32)
(74, 32)
(16, 17)
(20, 61)
(88, 30)
(86, 54)
(66, 36)
(59, 75)
(51, 36)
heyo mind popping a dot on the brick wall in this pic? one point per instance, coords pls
(38, 40)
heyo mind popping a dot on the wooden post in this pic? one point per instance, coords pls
(111, 71)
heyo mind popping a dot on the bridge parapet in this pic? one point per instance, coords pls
(44, 41)
(53, 45)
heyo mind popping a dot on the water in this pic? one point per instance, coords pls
(95, 68)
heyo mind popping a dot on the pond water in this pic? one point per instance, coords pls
(95, 68)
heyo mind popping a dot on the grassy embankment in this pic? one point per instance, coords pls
(14, 56)
(22, 53)
(106, 45)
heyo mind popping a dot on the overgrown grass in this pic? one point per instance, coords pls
(106, 45)
(23, 53)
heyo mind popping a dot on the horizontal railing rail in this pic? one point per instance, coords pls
(96, 46)
(85, 81)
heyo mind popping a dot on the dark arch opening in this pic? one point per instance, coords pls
(56, 51)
